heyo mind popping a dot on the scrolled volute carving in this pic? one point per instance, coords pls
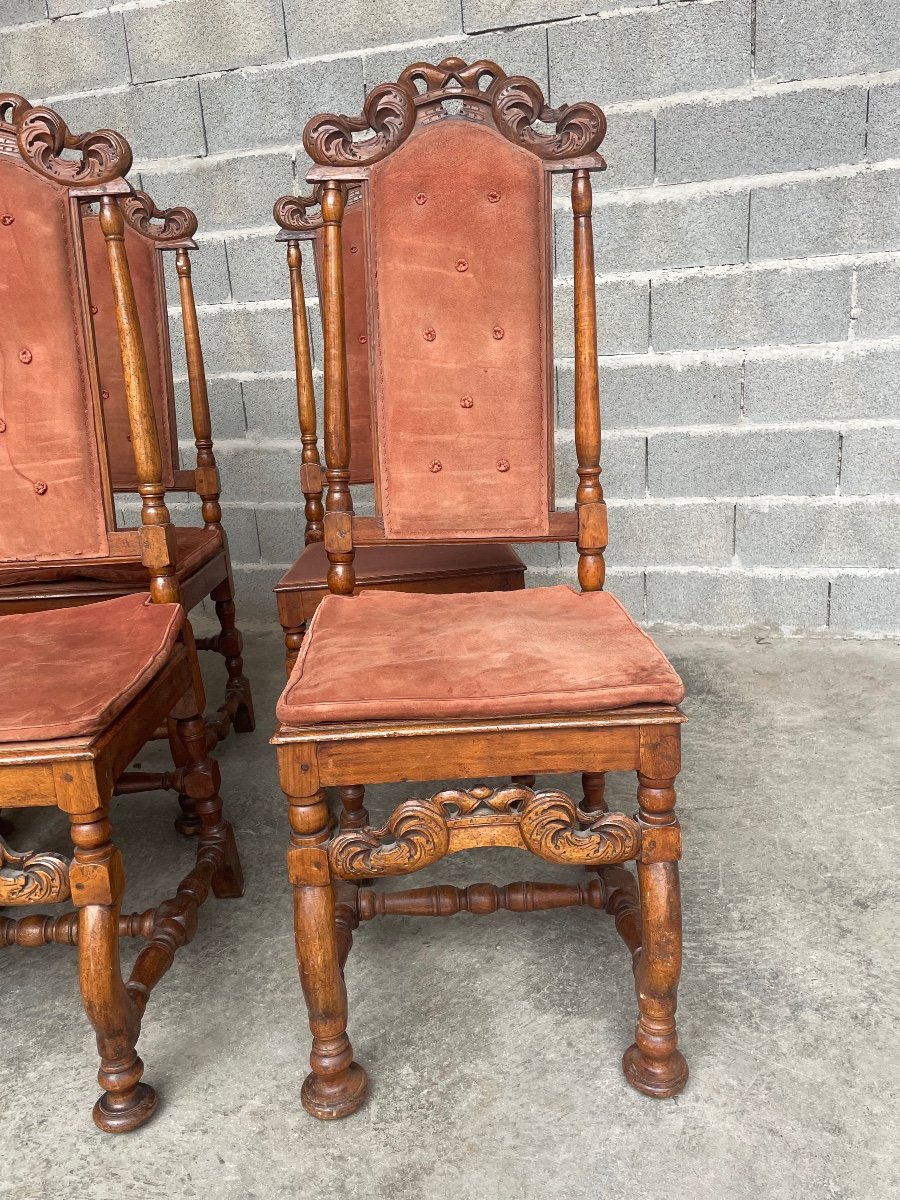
(293, 212)
(551, 828)
(389, 113)
(160, 224)
(415, 836)
(509, 798)
(517, 103)
(37, 878)
(13, 108)
(43, 138)
(452, 75)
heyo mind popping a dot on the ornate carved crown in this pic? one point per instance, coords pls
(480, 91)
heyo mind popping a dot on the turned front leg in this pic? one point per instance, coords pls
(230, 644)
(654, 1064)
(336, 1085)
(98, 883)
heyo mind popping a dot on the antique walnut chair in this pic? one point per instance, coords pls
(440, 568)
(390, 686)
(202, 560)
(83, 688)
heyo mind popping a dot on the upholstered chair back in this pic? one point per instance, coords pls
(456, 195)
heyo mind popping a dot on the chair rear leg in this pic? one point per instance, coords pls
(201, 785)
(293, 640)
(188, 824)
(98, 881)
(230, 645)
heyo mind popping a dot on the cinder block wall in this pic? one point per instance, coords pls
(748, 232)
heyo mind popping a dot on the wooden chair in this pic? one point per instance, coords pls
(202, 560)
(436, 569)
(390, 686)
(82, 688)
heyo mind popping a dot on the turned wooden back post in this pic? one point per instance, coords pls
(438, 137)
(50, 175)
(150, 234)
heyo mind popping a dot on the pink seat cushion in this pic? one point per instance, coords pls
(395, 655)
(68, 672)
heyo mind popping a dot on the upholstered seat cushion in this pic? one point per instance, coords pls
(68, 672)
(193, 549)
(395, 655)
(386, 562)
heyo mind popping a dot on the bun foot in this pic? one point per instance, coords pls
(112, 1116)
(658, 1079)
(330, 1099)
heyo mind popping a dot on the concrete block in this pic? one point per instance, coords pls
(826, 216)
(622, 317)
(238, 340)
(256, 604)
(189, 37)
(53, 58)
(539, 556)
(831, 532)
(67, 8)
(226, 409)
(878, 299)
(870, 461)
(160, 120)
(22, 12)
(358, 25)
(518, 51)
(488, 14)
(624, 467)
(842, 37)
(209, 274)
(736, 599)
(656, 391)
(257, 267)
(883, 136)
(282, 527)
(866, 603)
(225, 192)
(654, 52)
(244, 109)
(240, 525)
(271, 408)
(793, 131)
(857, 382)
(660, 533)
(649, 235)
(744, 462)
(751, 308)
(254, 472)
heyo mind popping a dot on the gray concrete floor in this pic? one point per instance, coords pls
(493, 1044)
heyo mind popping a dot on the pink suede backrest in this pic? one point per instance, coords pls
(51, 492)
(145, 265)
(459, 245)
(356, 324)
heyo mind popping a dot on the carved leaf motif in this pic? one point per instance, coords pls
(550, 829)
(517, 103)
(415, 836)
(141, 212)
(389, 112)
(37, 878)
(292, 212)
(43, 136)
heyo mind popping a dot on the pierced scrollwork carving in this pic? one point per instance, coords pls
(415, 836)
(452, 75)
(99, 157)
(517, 103)
(37, 878)
(162, 225)
(13, 108)
(389, 113)
(293, 212)
(551, 828)
(420, 832)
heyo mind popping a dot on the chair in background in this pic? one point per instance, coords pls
(83, 688)
(202, 560)
(391, 687)
(437, 569)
